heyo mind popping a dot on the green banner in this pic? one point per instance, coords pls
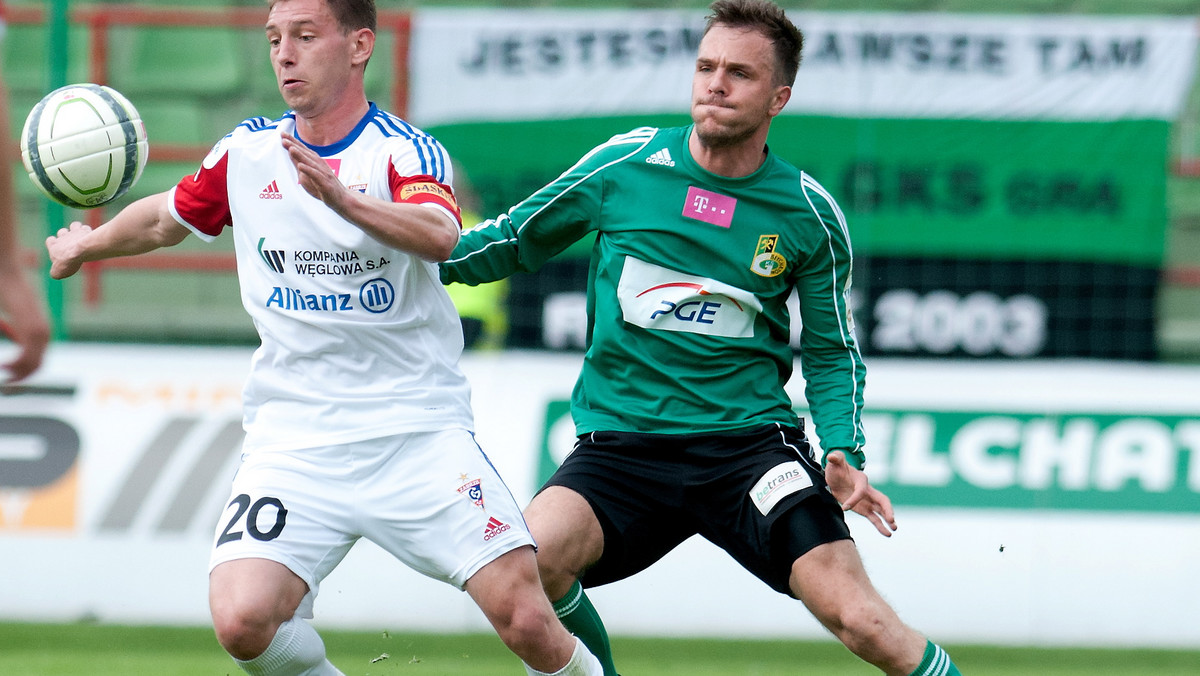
(1010, 460)
(1071, 461)
(1075, 191)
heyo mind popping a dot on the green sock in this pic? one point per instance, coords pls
(935, 663)
(579, 616)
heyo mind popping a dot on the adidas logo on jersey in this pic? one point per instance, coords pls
(494, 527)
(662, 157)
(271, 192)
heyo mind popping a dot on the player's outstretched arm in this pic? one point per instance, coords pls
(852, 488)
(420, 230)
(143, 226)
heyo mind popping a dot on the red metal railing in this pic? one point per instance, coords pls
(99, 19)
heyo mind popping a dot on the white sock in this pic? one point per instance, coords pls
(583, 663)
(296, 650)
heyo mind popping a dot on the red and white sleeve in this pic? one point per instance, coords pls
(201, 201)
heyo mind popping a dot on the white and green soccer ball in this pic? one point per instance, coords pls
(84, 145)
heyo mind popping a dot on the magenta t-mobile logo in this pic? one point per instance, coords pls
(709, 207)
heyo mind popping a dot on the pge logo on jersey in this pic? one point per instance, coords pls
(654, 297)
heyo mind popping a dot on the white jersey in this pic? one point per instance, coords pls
(359, 340)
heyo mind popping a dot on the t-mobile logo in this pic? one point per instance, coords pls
(709, 207)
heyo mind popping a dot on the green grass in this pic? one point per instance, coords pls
(106, 650)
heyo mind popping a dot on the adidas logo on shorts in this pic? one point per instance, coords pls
(661, 157)
(494, 527)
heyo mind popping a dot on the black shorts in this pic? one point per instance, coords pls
(651, 492)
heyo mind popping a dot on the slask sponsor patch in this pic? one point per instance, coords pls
(780, 482)
(655, 297)
(420, 192)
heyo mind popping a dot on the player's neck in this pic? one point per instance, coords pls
(333, 124)
(730, 161)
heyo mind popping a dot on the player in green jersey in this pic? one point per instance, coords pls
(684, 425)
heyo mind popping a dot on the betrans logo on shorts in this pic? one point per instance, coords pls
(654, 297)
(778, 483)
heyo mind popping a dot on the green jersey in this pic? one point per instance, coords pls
(690, 273)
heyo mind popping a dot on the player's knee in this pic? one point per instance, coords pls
(558, 570)
(556, 580)
(863, 629)
(244, 633)
(524, 624)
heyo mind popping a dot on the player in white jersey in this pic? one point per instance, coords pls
(21, 317)
(357, 416)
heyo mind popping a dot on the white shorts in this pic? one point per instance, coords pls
(431, 499)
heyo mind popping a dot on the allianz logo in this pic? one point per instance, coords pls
(375, 296)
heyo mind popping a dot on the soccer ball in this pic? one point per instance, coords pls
(84, 145)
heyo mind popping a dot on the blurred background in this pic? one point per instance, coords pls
(1074, 234)
(1021, 180)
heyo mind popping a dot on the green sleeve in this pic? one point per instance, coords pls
(829, 359)
(531, 232)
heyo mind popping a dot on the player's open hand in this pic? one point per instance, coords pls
(64, 249)
(852, 488)
(315, 175)
(24, 324)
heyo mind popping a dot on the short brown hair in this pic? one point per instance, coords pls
(769, 19)
(351, 15)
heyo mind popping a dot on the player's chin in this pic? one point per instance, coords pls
(715, 135)
(292, 93)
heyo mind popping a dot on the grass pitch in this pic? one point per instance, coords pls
(106, 650)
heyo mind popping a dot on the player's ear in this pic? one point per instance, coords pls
(362, 46)
(783, 94)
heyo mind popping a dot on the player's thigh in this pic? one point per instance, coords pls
(509, 586)
(768, 504)
(254, 589)
(831, 581)
(567, 532)
(294, 509)
(631, 483)
(438, 505)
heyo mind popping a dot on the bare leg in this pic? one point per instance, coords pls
(569, 537)
(510, 594)
(834, 586)
(249, 599)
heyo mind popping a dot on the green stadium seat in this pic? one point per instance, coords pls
(198, 61)
(26, 60)
(173, 120)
